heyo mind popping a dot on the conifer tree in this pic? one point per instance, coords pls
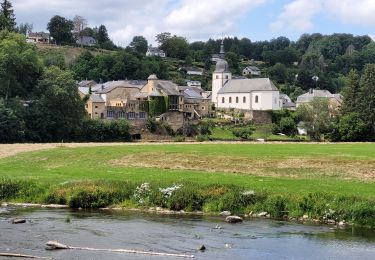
(351, 93)
(7, 17)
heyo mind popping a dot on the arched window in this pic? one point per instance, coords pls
(223, 100)
(237, 100)
(256, 99)
(217, 76)
(226, 77)
(244, 99)
(230, 99)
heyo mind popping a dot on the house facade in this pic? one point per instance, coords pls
(335, 100)
(38, 38)
(86, 41)
(154, 51)
(136, 101)
(251, 70)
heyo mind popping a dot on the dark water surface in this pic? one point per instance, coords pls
(253, 239)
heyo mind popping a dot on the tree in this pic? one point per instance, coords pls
(25, 28)
(176, 47)
(351, 93)
(59, 105)
(102, 35)
(318, 118)
(61, 30)
(7, 18)
(19, 66)
(366, 105)
(139, 44)
(79, 24)
(288, 126)
(162, 37)
(12, 128)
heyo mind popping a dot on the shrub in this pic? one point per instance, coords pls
(179, 138)
(202, 138)
(9, 188)
(288, 126)
(243, 133)
(186, 198)
(276, 206)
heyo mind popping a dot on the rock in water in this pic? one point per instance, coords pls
(233, 219)
(225, 213)
(202, 248)
(18, 221)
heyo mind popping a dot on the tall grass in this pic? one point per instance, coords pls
(188, 196)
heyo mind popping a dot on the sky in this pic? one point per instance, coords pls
(204, 19)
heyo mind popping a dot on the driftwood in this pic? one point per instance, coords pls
(54, 245)
(23, 256)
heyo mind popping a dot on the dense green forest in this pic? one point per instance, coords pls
(39, 101)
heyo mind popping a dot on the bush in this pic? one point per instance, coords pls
(288, 126)
(96, 130)
(276, 206)
(179, 138)
(202, 138)
(9, 189)
(151, 125)
(243, 133)
(186, 198)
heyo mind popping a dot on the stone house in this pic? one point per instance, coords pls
(154, 51)
(38, 38)
(335, 100)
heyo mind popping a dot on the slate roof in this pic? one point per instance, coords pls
(97, 98)
(222, 66)
(109, 86)
(248, 85)
(190, 93)
(309, 96)
(168, 87)
(84, 90)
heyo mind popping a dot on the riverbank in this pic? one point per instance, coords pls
(329, 183)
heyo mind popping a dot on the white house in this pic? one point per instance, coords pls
(257, 94)
(154, 51)
(251, 70)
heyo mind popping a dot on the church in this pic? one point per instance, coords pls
(258, 94)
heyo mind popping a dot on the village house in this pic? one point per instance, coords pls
(178, 106)
(86, 41)
(251, 70)
(192, 71)
(286, 102)
(154, 51)
(335, 100)
(38, 38)
(193, 83)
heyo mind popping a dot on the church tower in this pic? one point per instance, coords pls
(220, 76)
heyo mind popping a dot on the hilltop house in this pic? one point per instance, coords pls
(86, 41)
(251, 70)
(335, 100)
(154, 51)
(192, 71)
(38, 37)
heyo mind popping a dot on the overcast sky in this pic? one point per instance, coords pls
(204, 19)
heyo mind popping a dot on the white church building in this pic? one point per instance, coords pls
(258, 94)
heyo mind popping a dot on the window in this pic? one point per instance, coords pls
(223, 100)
(121, 114)
(131, 115)
(110, 114)
(96, 106)
(256, 99)
(217, 76)
(275, 100)
(230, 100)
(237, 100)
(244, 99)
(87, 106)
(142, 115)
(226, 77)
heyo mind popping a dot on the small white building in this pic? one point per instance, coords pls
(257, 94)
(251, 70)
(154, 51)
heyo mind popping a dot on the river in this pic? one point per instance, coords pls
(253, 239)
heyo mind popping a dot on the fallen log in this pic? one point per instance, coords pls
(54, 245)
(23, 256)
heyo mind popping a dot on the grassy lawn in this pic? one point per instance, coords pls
(347, 169)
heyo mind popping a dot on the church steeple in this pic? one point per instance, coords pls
(222, 51)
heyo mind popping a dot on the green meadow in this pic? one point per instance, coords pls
(292, 173)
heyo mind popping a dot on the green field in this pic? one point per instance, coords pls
(289, 170)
